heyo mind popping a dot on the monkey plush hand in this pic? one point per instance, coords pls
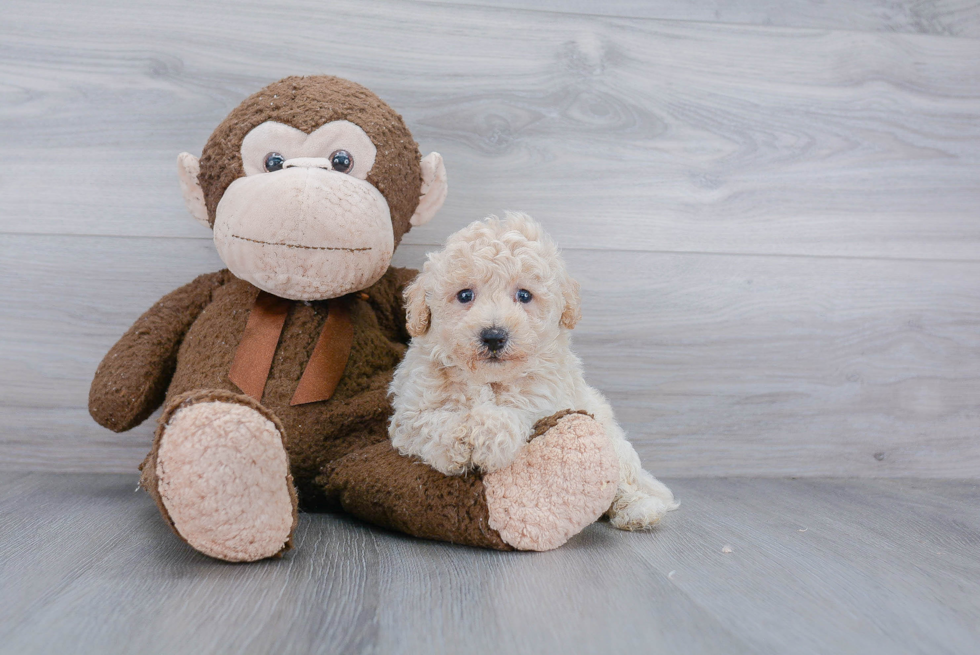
(273, 373)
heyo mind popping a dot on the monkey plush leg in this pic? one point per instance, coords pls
(219, 473)
(559, 484)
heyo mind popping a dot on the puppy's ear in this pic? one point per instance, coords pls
(573, 302)
(417, 312)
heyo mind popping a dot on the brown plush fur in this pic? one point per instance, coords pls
(132, 380)
(316, 433)
(549, 422)
(306, 103)
(414, 498)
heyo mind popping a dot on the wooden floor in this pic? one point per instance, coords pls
(816, 566)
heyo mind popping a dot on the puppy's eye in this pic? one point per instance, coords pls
(524, 296)
(342, 161)
(274, 162)
(465, 296)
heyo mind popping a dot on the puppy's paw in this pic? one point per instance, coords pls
(638, 510)
(450, 457)
(445, 447)
(496, 437)
(493, 459)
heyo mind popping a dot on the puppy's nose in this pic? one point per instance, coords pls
(494, 338)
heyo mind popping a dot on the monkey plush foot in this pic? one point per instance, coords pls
(561, 482)
(220, 475)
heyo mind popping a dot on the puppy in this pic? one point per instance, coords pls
(490, 316)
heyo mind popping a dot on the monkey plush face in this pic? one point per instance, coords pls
(309, 186)
(304, 222)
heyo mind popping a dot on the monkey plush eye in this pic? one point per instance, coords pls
(274, 162)
(342, 161)
(524, 296)
(465, 296)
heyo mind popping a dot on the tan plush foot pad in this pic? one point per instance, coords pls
(223, 477)
(559, 484)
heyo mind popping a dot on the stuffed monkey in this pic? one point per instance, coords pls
(273, 373)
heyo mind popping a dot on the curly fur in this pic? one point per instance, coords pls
(459, 407)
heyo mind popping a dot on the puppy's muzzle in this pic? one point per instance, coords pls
(494, 339)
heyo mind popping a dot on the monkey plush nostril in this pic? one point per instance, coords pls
(494, 339)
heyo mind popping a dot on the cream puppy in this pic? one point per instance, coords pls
(490, 316)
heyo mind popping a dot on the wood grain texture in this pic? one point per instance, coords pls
(627, 134)
(776, 227)
(817, 566)
(941, 17)
(716, 365)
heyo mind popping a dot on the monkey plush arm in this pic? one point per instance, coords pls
(386, 298)
(132, 380)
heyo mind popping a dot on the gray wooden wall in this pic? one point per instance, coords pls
(774, 210)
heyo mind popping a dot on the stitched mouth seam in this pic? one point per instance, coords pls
(296, 245)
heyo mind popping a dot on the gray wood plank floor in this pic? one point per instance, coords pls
(816, 566)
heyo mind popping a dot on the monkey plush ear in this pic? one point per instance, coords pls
(417, 313)
(434, 188)
(188, 168)
(573, 302)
